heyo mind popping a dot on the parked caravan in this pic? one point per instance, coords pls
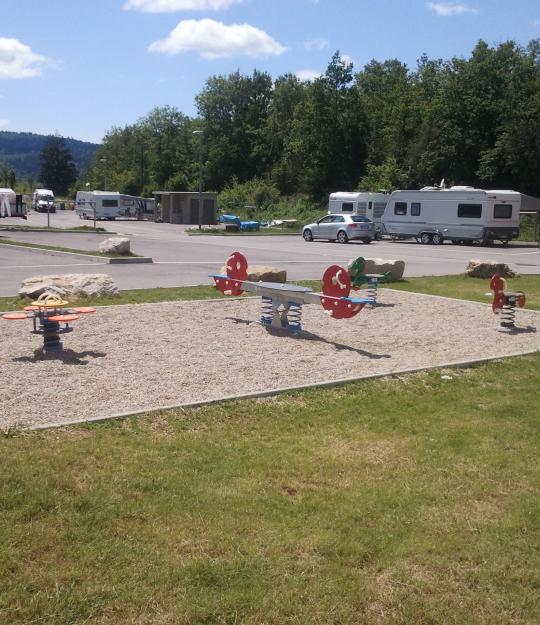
(43, 201)
(11, 204)
(458, 214)
(366, 204)
(110, 205)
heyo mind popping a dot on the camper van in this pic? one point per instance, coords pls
(109, 205)
(370, 205)
(43, 201)
(11, 204)
(458, 214)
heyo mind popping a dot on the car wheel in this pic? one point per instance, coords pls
(308, 235)
(425, 238)
(342, 237)
(437, 239)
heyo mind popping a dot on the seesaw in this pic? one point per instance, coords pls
(282, 303)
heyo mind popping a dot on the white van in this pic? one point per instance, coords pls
(43, 201)
(367, 204)
(459, 214)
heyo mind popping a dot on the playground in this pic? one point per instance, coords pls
(143, 357)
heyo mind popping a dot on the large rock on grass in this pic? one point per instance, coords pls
(381, 265)
(115, 245)
(261, 273)
(486, 268)
(85, 284)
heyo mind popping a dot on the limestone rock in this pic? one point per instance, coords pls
(380, 265)
(486, 268)
(263, 273)
(116, 245)
(90, 284)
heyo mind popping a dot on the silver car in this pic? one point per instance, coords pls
(341, 228)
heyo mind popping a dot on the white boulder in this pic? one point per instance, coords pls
(262, 273)
(486, 269)
(116, 245)
(89, 284)
(396, 268)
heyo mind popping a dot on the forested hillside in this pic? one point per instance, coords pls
(21, 151)
(472, 121)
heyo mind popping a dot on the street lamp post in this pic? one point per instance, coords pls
(200, 134)
(104, 162)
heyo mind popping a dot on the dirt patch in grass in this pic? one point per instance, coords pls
(145, 357)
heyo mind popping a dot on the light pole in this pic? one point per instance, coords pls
(104, 161)
(200, 134)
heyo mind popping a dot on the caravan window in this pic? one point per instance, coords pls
(347, 207)
(469, 211)
(400, 208)
(415, 209)
(109, 203)
(502, 211)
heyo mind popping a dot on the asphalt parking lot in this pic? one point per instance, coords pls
(182, 260)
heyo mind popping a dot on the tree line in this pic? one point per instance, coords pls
(473, 121)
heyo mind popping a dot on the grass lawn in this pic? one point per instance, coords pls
(461, 287)
(56, 248)
(405, 500)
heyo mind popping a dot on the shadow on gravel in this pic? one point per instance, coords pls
(66, 356)
(304, 335)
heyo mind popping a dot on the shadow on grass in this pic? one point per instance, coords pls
(66, 356)
(304, 335)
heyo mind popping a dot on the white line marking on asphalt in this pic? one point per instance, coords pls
(39, 266)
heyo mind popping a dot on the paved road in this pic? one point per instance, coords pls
(181, 260)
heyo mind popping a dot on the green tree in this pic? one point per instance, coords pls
(58, 170)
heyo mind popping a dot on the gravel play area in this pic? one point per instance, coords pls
(141, 357)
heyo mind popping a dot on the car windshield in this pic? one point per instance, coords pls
(359, 218)
(45, 198)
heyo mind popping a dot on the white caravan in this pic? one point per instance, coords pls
(367, 204)
(7, 202)
(109, 205)
(459, 214)
(43, 201)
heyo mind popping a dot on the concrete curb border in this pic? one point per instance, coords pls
(105, 260)
(279, 391)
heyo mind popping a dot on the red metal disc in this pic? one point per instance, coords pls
(63, 318)
(229, 286)
(237, 266)
(15, 315)
(497, 283)
(340, 309)
(31, 308)
(499, 301)
(84, 309)
(336, 281)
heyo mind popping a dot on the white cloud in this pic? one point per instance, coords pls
(316, 44)
(447, 9)
(306, 75)
(18, 61)
(214, 40)
(171, 6)
(345, 58)
(4, 123)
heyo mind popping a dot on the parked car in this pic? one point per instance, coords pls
(341, 228)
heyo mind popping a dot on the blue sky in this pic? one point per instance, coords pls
(80, 67)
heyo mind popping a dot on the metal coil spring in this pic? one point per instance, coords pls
(266, 310)
(372, 290)
(294, 316)
(508, 315)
